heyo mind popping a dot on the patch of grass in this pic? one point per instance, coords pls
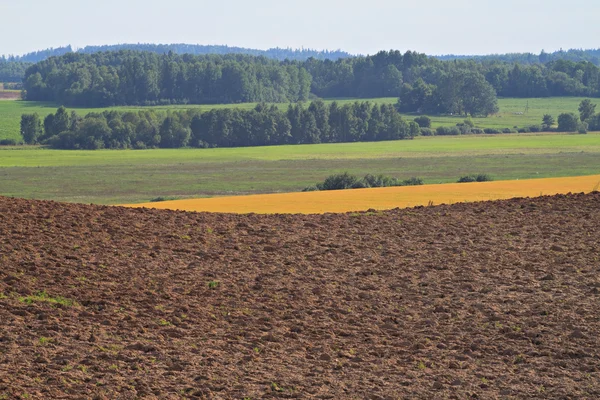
(43, 297)
(43, 341)
(214, 284)
(128, 176)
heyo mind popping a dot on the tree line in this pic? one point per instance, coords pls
(261, 126)
(144, 78)
(422, 83)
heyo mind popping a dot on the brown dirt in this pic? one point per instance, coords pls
(482, 300)
(10, 95)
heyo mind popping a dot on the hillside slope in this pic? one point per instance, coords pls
(481, 300)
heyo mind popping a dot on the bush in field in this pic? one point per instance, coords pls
(447, 131)
(347, 181)
(568, 122)
(537, 128)
(423, 121)
(427, 132)
(340, 181)
(475, 178)
(491, 130)
(547, 122)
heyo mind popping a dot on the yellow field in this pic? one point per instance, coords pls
(381, 198)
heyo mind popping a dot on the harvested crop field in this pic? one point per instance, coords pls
(482, 300)
(381, 198)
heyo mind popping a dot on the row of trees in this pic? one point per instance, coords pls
(387, 73)
(461, 92)
(261, 126)
(145, 78)
(421, 82)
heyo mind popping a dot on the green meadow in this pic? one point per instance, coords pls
(129, 176)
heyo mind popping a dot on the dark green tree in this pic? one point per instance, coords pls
(568, 122)
(548, 121)
(586, 110)
(31, 128)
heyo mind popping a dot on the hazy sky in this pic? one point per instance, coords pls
(428, 26)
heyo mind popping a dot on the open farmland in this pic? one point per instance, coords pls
(382, 198)
(139, 176)
(483, 300)
(118, 177)
(508, 117)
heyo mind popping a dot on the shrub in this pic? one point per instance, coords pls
(339, 181)
(524, 130)
(423, 121)
(491, 130)
(447, 130)
(594, 123)
(464, 129)
(346, 181)
(8, 142)
(427, 132)
(509, 130)
(412, 182)
(477, 131)
(536, 128)
(475, 178)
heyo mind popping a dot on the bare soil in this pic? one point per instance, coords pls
(10, 95)
(483, 300)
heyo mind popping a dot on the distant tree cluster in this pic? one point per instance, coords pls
(587, 119)
(144, 78)
(12, 71)
(461, 92)
(347, 181)
(264, 125)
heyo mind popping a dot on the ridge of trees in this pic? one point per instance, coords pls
(422, 83)
(264, 125)
(575, 55)
(275, 53)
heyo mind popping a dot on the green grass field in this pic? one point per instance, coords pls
(11, 111)
(129, 176)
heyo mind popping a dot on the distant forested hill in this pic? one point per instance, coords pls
(194, 49)
(575, 55)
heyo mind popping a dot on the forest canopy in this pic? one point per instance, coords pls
(423, 84)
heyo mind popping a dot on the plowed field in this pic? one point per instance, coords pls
(481, 300)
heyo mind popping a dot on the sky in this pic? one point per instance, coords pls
(360, 27)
